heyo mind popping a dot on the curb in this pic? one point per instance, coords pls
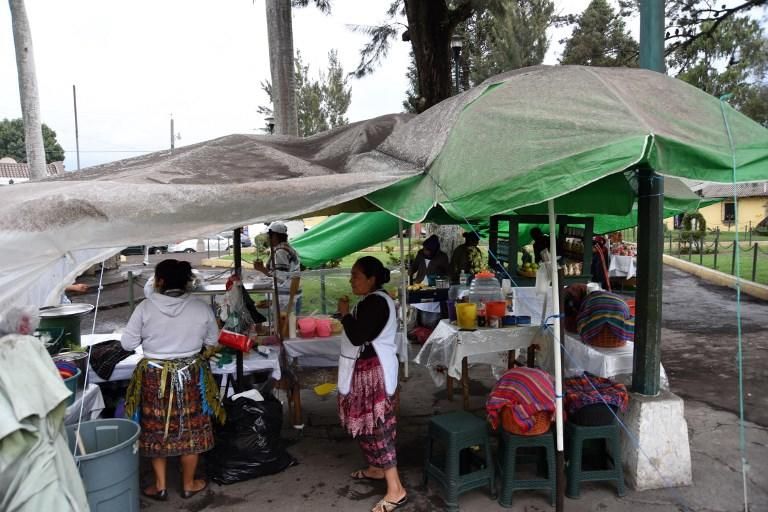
(759, 291)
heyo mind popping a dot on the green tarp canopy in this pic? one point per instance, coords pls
(346, 233)
(567, 133)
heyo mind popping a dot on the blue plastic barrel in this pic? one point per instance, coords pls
(110, 466)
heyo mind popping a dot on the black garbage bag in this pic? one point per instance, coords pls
(248, 445)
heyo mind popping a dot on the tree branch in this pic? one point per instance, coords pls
(712, 28)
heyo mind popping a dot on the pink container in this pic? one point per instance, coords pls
(323, 327)
(307, 327)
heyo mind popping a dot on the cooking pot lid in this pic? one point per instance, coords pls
(65, 310)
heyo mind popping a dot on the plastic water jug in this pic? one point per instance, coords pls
(485, 288)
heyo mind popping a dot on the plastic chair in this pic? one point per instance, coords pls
(457, 433)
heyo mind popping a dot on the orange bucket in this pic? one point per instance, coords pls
(496, 308)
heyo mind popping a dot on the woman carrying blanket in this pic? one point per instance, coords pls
(172, 392)
(368, 369)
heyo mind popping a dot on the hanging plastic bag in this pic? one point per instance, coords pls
(248, 445)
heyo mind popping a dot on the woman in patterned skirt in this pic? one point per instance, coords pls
(368, 369)
(172, 392)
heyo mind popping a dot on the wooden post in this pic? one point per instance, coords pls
(323, 306)
(754, 261)
(733, 259)
(131, 300)
(717, 246)
(465, 382)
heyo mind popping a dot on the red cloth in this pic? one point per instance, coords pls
(525, 391)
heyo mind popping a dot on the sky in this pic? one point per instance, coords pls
(137, 63)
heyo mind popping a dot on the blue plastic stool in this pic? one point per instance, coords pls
(457, 432)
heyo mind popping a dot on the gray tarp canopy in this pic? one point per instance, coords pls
(569, 133)
(52, 230)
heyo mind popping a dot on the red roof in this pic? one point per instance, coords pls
(22, 170)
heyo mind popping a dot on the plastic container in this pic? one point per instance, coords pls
(235, 340)
(79, 359)
(466, 315)
(509, 320)
(71, 383)
(451, 306)
(307, 327)
(485, 288)
(523, 320)
(323, 327)
(110, 467)
(496, 308)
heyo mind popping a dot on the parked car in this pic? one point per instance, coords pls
(245, 241)
(190, 245)
(216, 243)
(139, 249)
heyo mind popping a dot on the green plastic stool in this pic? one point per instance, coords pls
(509, 458)
(457, 432)
(576, 435)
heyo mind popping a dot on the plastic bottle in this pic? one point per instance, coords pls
(292, 324)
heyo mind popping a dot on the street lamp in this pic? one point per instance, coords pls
(270, 124)
(456, 43)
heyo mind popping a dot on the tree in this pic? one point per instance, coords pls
(513, 39)
(280, 34)
(430, 25)
(492, 44)
(600, 38)
(30, 100)
(732, 59)
(322, 103)
(12, 142)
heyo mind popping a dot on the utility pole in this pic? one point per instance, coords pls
(77, 132)
(650, 233)
(173, 142)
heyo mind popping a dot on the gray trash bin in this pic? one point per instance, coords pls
(110, 468)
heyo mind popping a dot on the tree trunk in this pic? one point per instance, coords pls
(281, 64)
(30, 100)
(430, 28)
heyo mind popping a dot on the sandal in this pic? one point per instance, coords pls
(360, 475)
(388, 506)
(188, 494)
(158, 494)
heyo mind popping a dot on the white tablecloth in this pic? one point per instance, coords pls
(603, 362)
(447, 346)
(92, 402)
(252, 362)
(324, 352)
(623, 266)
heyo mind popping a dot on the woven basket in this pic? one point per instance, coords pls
(531, 273)
(607, 339)
(542, 421)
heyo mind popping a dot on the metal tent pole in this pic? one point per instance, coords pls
(237, 257)
(403, 296)
(560, 462)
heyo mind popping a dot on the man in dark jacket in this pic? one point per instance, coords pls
(430, 260)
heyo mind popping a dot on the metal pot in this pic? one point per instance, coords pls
(67, 317)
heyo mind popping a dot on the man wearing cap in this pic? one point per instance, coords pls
(467, 257)
(286, 263)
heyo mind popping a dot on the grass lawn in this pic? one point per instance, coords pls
(724, 261)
